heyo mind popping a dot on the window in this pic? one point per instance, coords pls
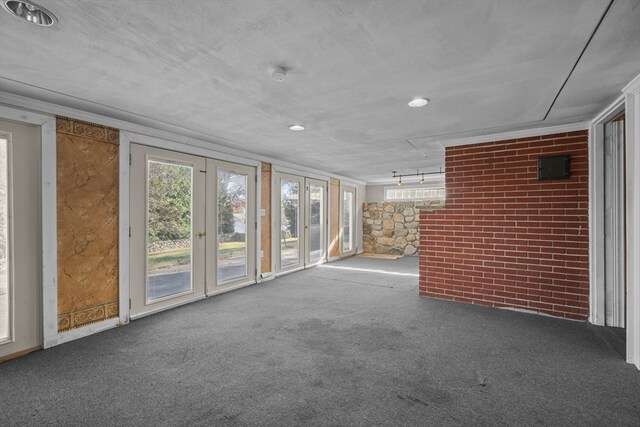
(414, 193)
(347, 221)
(169, 229)
(289, 219)
(232, 225)
(5, 289)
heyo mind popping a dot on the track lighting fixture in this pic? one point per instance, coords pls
(418, 173)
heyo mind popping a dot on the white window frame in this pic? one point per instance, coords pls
(9, 240)
(354, 211)
(410, 187)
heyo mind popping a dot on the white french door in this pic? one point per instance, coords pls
(347, 220)
(20, 289)
(302, 222)
(167, 229)
(315, 221)
(231, 222)
(192, 228)
(290, 195)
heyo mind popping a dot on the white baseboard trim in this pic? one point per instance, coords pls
(85, 331)
(265, 277)
(230, 288)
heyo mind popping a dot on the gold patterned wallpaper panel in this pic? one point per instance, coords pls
(87, 211)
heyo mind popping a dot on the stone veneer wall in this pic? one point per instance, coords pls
(392, 227)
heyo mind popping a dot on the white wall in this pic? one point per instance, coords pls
(374, 193)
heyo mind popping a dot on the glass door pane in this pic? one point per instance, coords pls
(317, 220)
(20, 215)
(5, 296)
(289, 223)
(347, 221)
(169, 229)
(232, 225)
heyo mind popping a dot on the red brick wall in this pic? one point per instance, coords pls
(506, 239)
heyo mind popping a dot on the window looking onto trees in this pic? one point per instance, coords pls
(289, 214)
(232, 225)
(169, 229)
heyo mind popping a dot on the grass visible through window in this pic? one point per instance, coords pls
(182, 256)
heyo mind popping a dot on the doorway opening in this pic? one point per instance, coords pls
(608, 206)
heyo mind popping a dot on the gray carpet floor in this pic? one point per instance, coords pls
(347, 343)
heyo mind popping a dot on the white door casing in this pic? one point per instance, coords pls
(23, 292)
(632, 139)
(614, 224)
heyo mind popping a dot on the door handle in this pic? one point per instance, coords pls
(201, 234)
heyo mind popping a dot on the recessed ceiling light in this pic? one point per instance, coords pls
(296, 127)
(418, 102)
(30, 12)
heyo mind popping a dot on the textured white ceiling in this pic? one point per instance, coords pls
(352, 67)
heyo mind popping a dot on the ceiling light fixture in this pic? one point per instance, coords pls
(418, 173)
(418, 102)
(30, 12)
(296, 127)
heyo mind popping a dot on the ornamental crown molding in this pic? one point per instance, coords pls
(87, 129)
